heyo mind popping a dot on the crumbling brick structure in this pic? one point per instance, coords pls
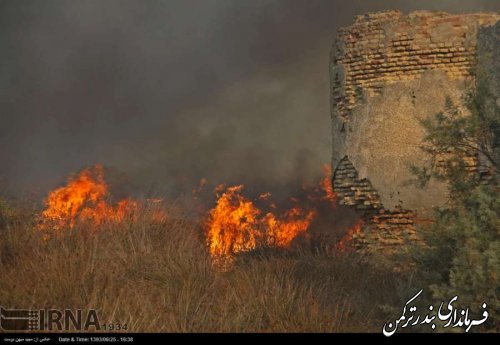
(388, 71)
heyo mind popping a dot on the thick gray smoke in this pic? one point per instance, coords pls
(168, 92)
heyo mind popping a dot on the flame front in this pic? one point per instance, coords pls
(348, 237)
(326, 184)
(236, 225)
(282, 231)
(84, 198)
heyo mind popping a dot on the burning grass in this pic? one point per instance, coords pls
(85, 199)
(157, 275)
(146, 264)
(234, 225)
(237, 224)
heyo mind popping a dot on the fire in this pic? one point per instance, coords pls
(237, 225)
(234, 224)
(326, 184)
(84, 199)
(283, 230)
(347, 238)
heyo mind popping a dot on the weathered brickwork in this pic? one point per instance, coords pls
(354, 191)
(388, 227)
(388, 71)
(385, 47)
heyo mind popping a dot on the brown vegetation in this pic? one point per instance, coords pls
(156, 275)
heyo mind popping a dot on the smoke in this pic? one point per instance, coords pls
(168, 92)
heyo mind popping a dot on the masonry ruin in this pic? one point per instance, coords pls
(388, 71)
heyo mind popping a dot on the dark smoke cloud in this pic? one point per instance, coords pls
(168, 92)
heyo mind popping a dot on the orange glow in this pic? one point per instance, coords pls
(344, 241)
(196, 191)
(326, 184)
(234, 224)
(282, 231)
(237, 225)
(84, 198)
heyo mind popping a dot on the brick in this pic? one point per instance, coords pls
(373, 61)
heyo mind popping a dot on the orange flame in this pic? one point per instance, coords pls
(282, 231)
(83, 199)
(348, 237)
(326, 184)
(236, 224)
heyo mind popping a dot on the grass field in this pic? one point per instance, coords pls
(156, 275)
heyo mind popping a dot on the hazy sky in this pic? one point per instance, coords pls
(167, 92)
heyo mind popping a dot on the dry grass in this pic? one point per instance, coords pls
(157, 277)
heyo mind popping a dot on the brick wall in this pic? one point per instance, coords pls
(386, 47)
(382, 49)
